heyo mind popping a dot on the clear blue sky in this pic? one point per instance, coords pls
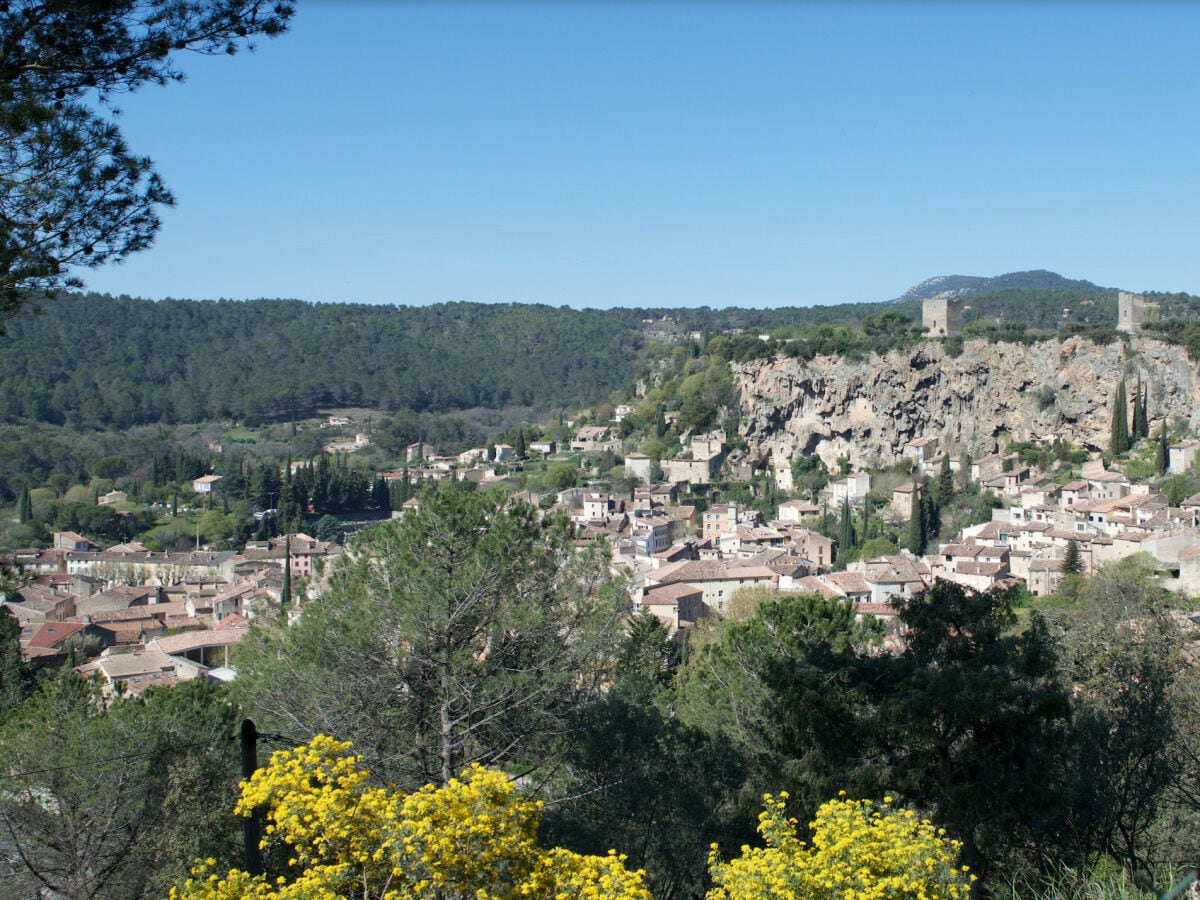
(676, 154)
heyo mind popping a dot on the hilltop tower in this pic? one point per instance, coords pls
(1133, 311)
(942, 316)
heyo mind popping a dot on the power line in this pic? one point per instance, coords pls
(108, 759)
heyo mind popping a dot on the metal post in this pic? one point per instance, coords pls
(252, 824)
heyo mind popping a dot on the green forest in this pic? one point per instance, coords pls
(93, 361)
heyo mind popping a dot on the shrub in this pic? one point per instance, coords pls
(859, 849)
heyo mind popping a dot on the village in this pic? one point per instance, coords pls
(133, 617)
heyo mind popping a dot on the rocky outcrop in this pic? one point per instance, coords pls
(866, 410)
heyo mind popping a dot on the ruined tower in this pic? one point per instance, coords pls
(942, 316)
(1133, 311)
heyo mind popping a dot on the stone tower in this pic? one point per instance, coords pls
(942, 317)
(1133, 311)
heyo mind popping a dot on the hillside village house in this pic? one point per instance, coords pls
(205, 484)
(717, 582)
(902, 500)
(795, 511)
(590, 438)
(922, 451)
(676, 605)
(638, 465)
(1181, 457)
(853, 488)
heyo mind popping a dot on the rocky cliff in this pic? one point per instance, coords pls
(866, 410)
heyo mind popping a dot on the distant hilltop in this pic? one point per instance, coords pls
(956, 286)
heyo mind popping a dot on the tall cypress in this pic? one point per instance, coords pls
(915, 541)
(945, 481)
(931, 514)
(24, 506)
(1141, 428)
(285, 595)
(846, 531)
(1118, 443)
(1162, 455)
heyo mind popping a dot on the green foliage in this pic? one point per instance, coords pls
(975, 717)
(62, 66)
(1071, 564)
(1141, 426)
(560, 476)
(809, 475)
(633, 776)
(24, 506)
(15, 678)
(1118, 441)
(117, 799)
(461, 633)
(781, 684)
(254, 358)
(916, 537)
(878, 546)
(892, 323)
(846, 535)
(1119, 633)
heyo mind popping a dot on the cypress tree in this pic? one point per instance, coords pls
(1118, 443)
(915, 541)
(846, 531)
(520, 450)
(945, 481)
(931, 515)
(1141, 427)
(14, 676)
(285, 595)
(1162, 454)
(24, 506)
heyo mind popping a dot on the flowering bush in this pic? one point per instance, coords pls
(473, 838)
(859, 851)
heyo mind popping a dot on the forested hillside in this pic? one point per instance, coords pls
(94, 361)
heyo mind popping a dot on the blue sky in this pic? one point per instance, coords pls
(676, 154)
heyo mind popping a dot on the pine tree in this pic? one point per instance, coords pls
(1162, 455)
(1071, 564)
(24, 506)
(1118, 443)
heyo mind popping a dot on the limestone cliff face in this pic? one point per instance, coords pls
(867, 410)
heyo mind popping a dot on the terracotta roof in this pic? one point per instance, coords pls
(669, 593)
(194, 640)
(51, 634)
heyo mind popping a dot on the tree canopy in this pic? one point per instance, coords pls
(72, 193)
(462, 633)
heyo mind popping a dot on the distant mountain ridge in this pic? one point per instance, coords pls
(951, 286)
